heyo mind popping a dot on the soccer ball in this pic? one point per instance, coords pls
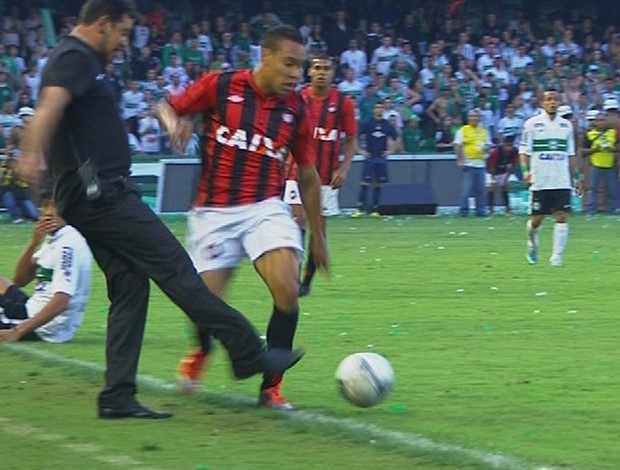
(365, 378)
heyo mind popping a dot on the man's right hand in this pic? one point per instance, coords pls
(30, 168)
(42, 227)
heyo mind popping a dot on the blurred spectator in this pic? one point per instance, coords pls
(350, 86)
(339, 34)
(472, 143)
(354, 59)
(445, 134)
(601, 148)
(173, 47)
(131, 101)
(14, 194)
(175, 67)
(150, 132)
(413, 138)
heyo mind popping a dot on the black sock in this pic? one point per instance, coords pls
(490, 201)
(363, 196)
(204, 341)
(506, 200)
(280, 334)
(376, 197)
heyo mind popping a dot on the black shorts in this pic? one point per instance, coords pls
(13, 302)
(548, 201)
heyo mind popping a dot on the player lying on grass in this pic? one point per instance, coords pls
(58, 259)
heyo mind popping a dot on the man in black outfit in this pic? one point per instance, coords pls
(80, 134)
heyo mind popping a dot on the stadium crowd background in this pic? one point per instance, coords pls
(429, 61)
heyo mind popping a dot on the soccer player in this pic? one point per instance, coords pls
(253, 118)
(547, 155)
(380, 137)
(59, 260)
(501, 164)
(334, 114)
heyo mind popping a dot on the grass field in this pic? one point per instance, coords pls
(498, 364)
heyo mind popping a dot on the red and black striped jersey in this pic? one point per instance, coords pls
(247, 137)
(333, 114)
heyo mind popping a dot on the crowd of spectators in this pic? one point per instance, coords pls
(429, 62)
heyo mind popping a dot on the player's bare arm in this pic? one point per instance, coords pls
(25, 270)
(310, 187)
(460, 157)
(524, 159)
(340, 175)
(50, 107)
(179, 129)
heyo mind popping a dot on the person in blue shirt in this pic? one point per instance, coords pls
(380, 137)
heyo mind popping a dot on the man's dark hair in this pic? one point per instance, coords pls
(92, 10)
(551, 90)
(274, 36)
(46, 194)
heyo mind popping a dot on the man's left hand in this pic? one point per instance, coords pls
(338, 178)
(320, 253)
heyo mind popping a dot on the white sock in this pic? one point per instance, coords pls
(533, 234)
(560, 237)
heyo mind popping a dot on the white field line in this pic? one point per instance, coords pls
(12, 427)
(375, 435)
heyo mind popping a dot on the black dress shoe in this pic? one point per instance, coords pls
(134, 411)
(271, 362)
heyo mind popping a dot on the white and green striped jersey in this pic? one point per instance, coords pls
(549, 144)
(511, 126)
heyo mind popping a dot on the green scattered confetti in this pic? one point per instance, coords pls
(397, 408)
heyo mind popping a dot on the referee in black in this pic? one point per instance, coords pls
(79, 134)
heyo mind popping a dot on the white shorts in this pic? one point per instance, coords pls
(329, 201)
(329, 198)
(499, 180)
(291, 193)
(217, 237)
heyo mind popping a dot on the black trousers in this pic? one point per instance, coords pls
(131, 244)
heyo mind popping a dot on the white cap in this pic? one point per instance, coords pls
(592, 114)
(610, 103)
(486, 85)
(564, 110)
(25, 111)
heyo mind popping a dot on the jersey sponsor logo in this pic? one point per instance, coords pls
(100, 77)
(552, 156)
(66, 263)
(287, 118)
(235, 99)
(378, 134)
(331, 108)
(253, 143)
(327, 135)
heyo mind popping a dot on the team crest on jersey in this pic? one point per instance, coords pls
(287, 118)
(235, 99)
(331, 108)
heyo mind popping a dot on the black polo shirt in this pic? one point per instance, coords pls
(91, 126)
